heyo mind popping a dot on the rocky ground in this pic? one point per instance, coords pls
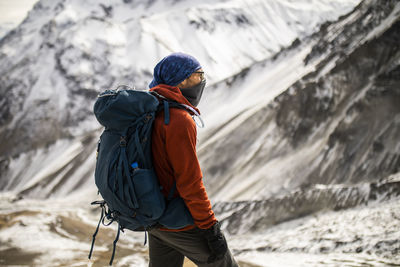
(362, 236)
(57, 233)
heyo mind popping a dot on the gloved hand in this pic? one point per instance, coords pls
(216, 242)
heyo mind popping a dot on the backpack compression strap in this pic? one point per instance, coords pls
(172, 192)
(166, 112)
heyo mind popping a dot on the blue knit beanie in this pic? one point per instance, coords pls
(174, 69)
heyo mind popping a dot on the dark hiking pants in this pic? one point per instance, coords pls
(167, 249)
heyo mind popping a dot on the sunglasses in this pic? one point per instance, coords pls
(201, 74)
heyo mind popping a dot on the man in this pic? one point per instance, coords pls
(179, 77)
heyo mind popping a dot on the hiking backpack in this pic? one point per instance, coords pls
(124, 173)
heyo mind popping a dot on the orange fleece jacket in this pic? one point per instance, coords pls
(175, 158)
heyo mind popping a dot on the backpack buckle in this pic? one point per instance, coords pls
(147, 118)
(122, 141)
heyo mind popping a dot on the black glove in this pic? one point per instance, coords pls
(216, 242)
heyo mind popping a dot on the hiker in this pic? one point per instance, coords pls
(179, 77)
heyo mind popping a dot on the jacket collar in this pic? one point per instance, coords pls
(172, 93)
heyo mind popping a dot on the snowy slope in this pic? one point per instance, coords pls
(337, 124)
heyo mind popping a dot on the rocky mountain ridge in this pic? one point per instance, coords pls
(302, 202)
(338, 124)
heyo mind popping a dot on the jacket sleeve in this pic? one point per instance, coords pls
(181, 150)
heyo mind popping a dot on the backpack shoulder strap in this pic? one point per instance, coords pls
(170, 104)
(166, 112)
(166, 104)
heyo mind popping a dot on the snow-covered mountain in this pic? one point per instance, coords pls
(4, 29)
(300, 152)
(65, 52)
(13, 13)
